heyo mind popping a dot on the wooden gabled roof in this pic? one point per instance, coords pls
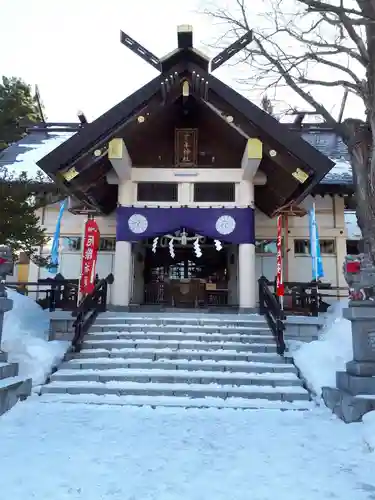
(293, 153)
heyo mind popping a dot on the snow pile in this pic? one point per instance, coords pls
(319, 361)
(25, 339)
(369, 429)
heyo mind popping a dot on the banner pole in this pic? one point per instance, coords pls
(79, 294)
(279, 264)
(314, 251)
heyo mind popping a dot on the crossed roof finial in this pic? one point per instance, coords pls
(185, 42)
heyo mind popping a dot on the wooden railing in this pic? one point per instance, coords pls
(88, 310)
(308, 299)
(270, 307)
(50, 293)
(198, 294)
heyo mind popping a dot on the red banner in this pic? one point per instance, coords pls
(279, 259)
(89, 256)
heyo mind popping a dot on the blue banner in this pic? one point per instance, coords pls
(317, 264)
(318, 255)
(53, 267)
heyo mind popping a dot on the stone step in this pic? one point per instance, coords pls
(168, 359)
(99, 326)
(178, 402)
(178, 336)
(184, 364)
(169, 319)
(178, 376)
(185, 354)
(11, 390)
(287, 393)
(179, 344)
(8, 370)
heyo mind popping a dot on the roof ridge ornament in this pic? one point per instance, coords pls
(185, 43)
(140, 51)
(232, 50)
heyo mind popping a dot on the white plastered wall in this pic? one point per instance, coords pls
(330, 218)
(331, 226)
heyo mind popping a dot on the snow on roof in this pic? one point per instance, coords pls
(340, 174)
(23, 155)
(331, 145)
(308, 119)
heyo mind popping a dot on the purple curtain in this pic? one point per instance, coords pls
(232, 225)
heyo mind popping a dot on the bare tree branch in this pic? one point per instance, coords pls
(318, 43)
(319, 6)
(294, 85)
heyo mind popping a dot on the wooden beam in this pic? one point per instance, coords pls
(140, 51)
(232, 50)
(185, 36)
(120, 159)
(252, 157)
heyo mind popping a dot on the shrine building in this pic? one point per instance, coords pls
(185, 178)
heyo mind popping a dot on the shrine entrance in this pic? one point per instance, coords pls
(189, 277)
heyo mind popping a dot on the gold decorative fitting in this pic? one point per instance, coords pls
(229, 119)
(273, 152)
(141, 119)
(97, 152)
(300, 175)
(185, 89)
(70, 174)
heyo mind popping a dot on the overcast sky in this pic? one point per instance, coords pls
(72, 49)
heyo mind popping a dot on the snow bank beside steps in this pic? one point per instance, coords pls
(25, 339)
(319, 361)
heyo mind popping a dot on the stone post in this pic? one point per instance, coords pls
(5, 305)
(246, 277)
(6, 267)
(354, 394)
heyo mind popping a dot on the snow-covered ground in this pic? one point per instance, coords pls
(76, 451)
(107, 452)
(25, 339)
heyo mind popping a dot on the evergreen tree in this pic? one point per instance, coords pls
(18, 107)
(19, 224)
(19, 195)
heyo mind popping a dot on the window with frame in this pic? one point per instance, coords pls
(266, 246)
(107, 244)
(302, 247)
(214, 192)
(71, 243)
(74, 244)
(157, 191)
(353, 247)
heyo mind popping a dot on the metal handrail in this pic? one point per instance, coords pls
(271, 308)
(88, 310)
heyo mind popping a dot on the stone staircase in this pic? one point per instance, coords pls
(188, 360)
(12, 386)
